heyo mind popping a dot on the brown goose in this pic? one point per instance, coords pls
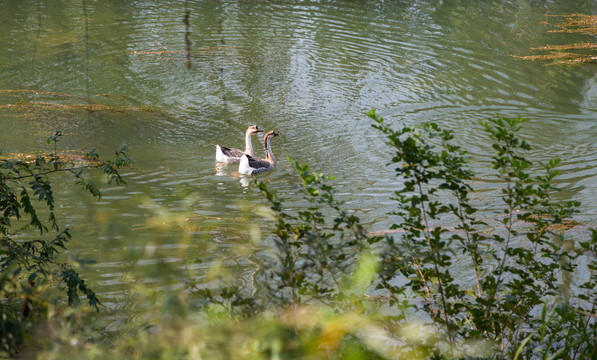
(250, 165)
(231, 155)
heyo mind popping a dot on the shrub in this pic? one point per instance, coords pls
(30, 263)
(519, 278)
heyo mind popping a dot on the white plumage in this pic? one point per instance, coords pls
(232, 155)
(250, 165)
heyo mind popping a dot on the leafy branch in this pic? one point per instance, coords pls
(29, 263)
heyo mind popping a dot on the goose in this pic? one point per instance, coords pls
(231, 155)
(250, 165)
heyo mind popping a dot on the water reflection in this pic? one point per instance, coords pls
(245, 180)
(231, 170)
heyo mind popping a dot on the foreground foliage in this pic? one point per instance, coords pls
(327, 289)
(503, 308)
(30, 246)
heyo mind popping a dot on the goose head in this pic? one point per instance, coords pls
(254, 130)
(270, 134)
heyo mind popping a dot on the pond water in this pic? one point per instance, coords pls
(113, 73)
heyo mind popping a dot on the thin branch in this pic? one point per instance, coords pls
(20, 177)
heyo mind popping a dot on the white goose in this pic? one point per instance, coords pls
(231, 155)
(250, 165)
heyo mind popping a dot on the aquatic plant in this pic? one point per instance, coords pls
(563, 54)
(36, 103)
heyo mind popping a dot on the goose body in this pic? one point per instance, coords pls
(250, 165)
(232, 155)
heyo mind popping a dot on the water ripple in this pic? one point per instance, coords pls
(310, 71)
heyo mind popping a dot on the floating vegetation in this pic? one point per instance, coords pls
(36, 101)
(577, 23)
(68, 157)
(495, 223)
(36, 92)
(188, 55)
(561, 54)
(89, 107)
(200, 51)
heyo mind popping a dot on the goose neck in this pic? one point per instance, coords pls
(248, 144)
(268, 150)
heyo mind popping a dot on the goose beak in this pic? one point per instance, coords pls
(254, 129)
(274, 134)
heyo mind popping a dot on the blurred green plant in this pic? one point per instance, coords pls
(29, 263)
(331, 290)
(316, 256)
(518, 267)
